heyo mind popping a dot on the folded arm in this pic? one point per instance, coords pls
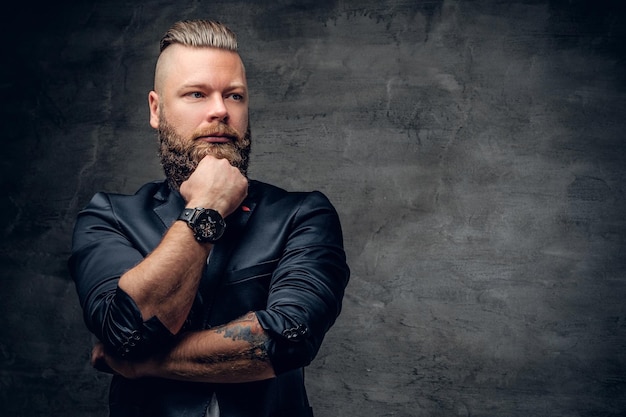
(231, 353)
(285, 333)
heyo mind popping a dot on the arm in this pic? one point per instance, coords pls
(307, 287)
(165, 283)
(135, 294)
(231, 353)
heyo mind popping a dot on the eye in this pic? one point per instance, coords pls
(194, 95)
(236, 96)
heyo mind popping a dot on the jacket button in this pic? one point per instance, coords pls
(124, 350)
(295, 333)
(302, 330)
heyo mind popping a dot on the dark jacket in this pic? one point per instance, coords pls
(281, 256)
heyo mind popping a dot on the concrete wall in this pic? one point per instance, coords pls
(474, 149)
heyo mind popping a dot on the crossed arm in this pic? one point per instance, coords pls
(140, 316)
(231, 353)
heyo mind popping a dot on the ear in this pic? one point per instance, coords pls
(153, 103)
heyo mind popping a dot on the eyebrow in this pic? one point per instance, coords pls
(202, 85)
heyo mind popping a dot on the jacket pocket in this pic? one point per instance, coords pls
(258, 271)
(241, 291)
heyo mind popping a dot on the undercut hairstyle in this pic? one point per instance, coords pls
(200, 33)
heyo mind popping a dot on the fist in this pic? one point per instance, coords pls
(215, 184)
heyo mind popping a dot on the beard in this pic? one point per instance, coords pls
(180, 156)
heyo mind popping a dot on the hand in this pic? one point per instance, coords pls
(215, 184)
(104, 362)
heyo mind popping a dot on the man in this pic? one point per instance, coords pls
(209, 293)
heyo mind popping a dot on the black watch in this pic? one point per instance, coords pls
(207, 224)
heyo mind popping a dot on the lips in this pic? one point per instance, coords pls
(215, 139)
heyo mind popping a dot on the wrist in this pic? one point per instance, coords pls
(145, 368)
(205, 205)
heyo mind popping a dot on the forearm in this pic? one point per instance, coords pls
(165, 283)
(233, 353)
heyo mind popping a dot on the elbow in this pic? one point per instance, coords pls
(286, 356)
(118, 323)
(289, 345)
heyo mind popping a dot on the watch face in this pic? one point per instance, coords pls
(208, 226)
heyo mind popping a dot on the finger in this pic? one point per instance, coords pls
(97, 352)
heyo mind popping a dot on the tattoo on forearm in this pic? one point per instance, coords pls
(242, 330)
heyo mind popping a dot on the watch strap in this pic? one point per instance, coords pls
(187, 214)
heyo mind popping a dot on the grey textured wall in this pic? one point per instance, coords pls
(474, 149)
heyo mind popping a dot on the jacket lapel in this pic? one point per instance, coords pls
(171, 207)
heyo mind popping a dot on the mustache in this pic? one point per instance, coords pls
(219, 129)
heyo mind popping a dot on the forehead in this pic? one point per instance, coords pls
(184, 64)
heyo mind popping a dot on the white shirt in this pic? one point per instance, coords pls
(213, 410)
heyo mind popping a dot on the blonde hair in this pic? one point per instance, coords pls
(200, 33)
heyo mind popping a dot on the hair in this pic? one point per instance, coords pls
(200, 33)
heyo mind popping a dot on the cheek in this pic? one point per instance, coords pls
(240, 120)
(184, 121)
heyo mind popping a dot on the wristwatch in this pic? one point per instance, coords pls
(207, 224)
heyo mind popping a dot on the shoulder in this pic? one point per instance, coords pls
(135, 218)
(145, 195)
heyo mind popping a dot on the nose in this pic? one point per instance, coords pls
(217, 108)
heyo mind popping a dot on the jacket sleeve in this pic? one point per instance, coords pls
(101, 253)
(307, 288)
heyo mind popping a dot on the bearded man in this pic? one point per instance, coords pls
(209, 293)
